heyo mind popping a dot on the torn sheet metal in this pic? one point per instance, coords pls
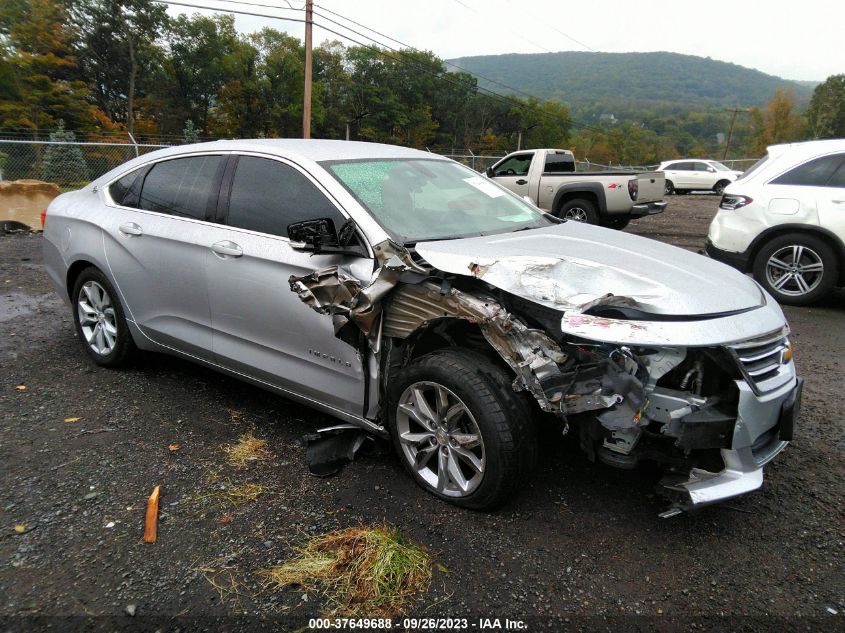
(568, 265)
(531, 353)
(334, 292)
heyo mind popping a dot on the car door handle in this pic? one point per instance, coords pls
(130, 228)
(522, 181)
(227, 249)
(839, 202)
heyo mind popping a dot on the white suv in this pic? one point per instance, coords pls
(784, 220)
(683, 176)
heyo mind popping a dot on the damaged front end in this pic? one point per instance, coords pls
(635, 387)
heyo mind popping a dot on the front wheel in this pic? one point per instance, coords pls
(459, 429)
(719, 187)
(579, 210)
(668, 188)
(797, 269)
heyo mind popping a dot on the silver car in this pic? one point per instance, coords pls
(404, 293)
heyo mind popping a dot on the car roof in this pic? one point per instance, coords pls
(310, 149)
(807, 148)
(301, 151)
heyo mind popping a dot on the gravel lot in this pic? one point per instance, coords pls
(582, 547)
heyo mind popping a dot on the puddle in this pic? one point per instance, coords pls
(18, 304)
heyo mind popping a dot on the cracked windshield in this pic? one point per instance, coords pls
(430, 200)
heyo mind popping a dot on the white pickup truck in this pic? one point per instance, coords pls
(609, 198)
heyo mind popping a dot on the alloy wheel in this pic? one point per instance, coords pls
(794, 270)
(440, 439)
(576, 213)
(97, 318)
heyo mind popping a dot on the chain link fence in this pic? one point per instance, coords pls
(70, 165)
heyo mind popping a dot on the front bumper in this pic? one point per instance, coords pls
(740, 261)
(648, 208)
(756, 441)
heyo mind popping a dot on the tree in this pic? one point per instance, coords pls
(190, 133)
(119, 40)
(38, 74)
(199, 47)
(779, 122)
(826, 114)
(64, 164)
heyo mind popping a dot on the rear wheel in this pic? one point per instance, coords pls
(797, 269)
(100, 321)
(668, 188)
(579, 210)
(460, 431)
(719, 187)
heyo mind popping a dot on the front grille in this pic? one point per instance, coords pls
(761, 362)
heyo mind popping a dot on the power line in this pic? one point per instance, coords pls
(484, 91)
(393, 39)
(524, 39)
(446, 62)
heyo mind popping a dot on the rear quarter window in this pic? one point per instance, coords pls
(125, 190)
(813, 173)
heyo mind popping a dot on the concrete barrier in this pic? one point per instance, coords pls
(22, 201)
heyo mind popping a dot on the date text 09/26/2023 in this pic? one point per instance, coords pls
(418, 624)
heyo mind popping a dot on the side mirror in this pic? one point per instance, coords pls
(489, 172)
(313, 235)
(712, 170)
(320, 235)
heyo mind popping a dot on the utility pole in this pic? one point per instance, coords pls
(731, 130)
(306, 106)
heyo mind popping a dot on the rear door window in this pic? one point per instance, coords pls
(182, 187)
(268, 195)
(812, 173)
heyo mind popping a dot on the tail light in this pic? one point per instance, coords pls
(732, 202)
(43, 218)
(633, 188)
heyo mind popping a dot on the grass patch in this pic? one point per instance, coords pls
(235, 495)
(247, 448)
(361, 571)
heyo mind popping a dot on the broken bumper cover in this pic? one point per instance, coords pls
(743, 470)
(648, 208)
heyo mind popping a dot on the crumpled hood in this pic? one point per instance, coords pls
(573, 266)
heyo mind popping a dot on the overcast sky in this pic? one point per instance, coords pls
(795, 40)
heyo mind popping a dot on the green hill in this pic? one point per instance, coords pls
(630, 80)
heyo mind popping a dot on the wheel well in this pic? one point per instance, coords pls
(589, 196)
(450, 332)
(828, 239)
(73, 272)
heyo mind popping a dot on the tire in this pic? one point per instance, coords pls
(495, 427)
(668, 188)
(797, 269)
(719, 187)
(100, 321)
(617, 223)
(579, 210)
